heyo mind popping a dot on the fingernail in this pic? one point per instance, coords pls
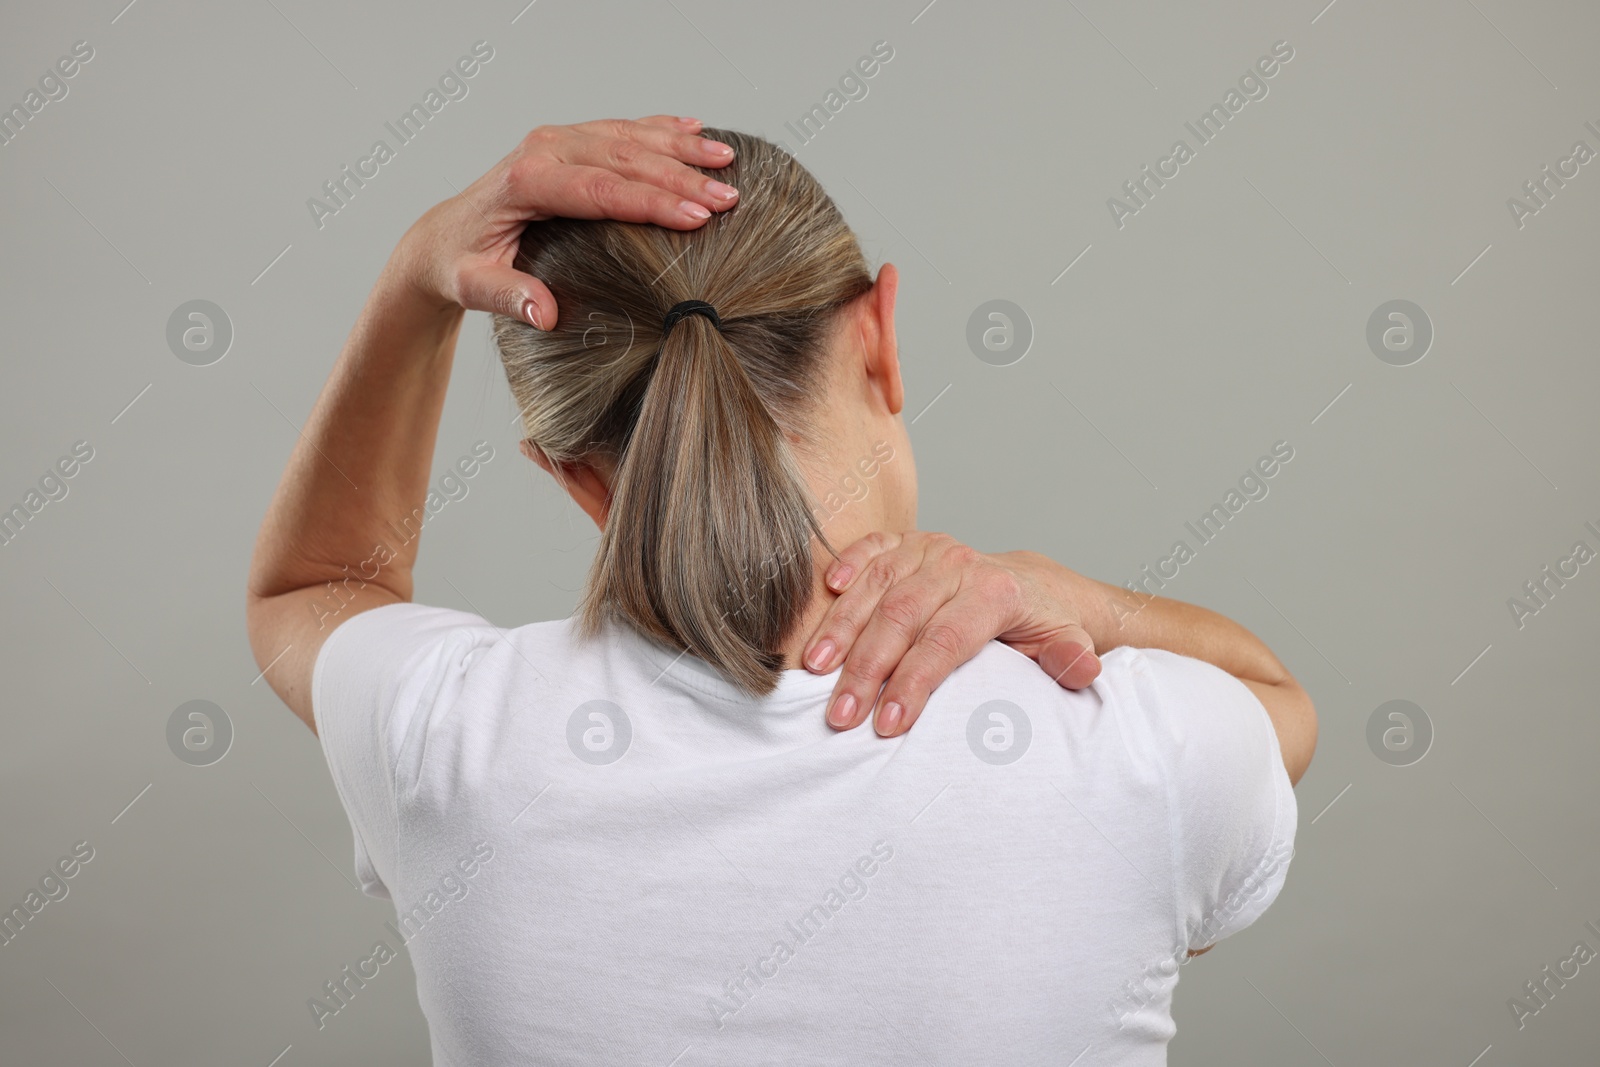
(718, 149)
(530, 311)
(687, 121)
(694, 211)
(843, 708)
(888, 719)
(820, 656)
(720, 191)
(840, 575)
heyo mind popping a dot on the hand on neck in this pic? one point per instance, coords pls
(857, 519)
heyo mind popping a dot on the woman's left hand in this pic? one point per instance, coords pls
(913, 607)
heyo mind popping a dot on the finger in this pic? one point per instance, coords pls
(889, 634)
(673, 122)
(854, 559)
(500, 289)
(637, 161)
(850, 612)
(584, 192)
(1070, 658)
(680, 144)
(957, 631)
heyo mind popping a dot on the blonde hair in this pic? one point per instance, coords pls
(707, 544)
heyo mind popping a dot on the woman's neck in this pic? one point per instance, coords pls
(822, 598)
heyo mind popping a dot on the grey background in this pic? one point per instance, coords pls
(1227, 315)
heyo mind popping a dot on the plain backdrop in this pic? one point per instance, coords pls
(1168, 353)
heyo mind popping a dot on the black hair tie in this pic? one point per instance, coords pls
(689, 307)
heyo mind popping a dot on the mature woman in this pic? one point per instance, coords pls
(649, 833)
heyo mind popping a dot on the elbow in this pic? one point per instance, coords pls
(1304, 736)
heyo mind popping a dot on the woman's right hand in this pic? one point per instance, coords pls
(460, 253)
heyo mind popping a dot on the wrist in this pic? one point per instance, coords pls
(406, 297)
(412, 278)
(1063, 593)
(1097, 606)
(1108, 611)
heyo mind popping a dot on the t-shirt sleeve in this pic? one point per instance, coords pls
(1233, 810)
(378, 678)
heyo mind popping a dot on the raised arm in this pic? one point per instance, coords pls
(906, 637)
(1115, 617)
(326, 550)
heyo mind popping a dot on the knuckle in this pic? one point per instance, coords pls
(850, 631)
(519, 173)
(943, 641)
(865, 668)
(624, 154)
(914, 679)
(507, 300)
(910, 686)
(962, 555)
(604, 189)
(687, 146)
(1000, 586)
(846, 621)
(880, 573)
(900, 612)
(869, 545)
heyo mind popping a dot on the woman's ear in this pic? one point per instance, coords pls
(884, 360)
(586, 486)
(536, 454)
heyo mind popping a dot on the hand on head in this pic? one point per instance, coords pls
(461, 252)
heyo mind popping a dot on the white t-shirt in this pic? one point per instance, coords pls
(602, 853)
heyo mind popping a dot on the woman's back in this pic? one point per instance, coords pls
(601, 852)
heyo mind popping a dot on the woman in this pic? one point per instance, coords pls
(631, 836)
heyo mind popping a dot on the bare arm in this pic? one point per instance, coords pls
(908, 638)
(339, 537)
(1114, 617)
(326, 550)
(1059, 618)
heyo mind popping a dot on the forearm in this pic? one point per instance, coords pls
(1115, 616)
(358, 475)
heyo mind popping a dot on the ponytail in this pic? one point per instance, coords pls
(707, 545)
(707, 542)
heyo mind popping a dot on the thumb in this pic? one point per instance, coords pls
(504, 291)
(1069, 658)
